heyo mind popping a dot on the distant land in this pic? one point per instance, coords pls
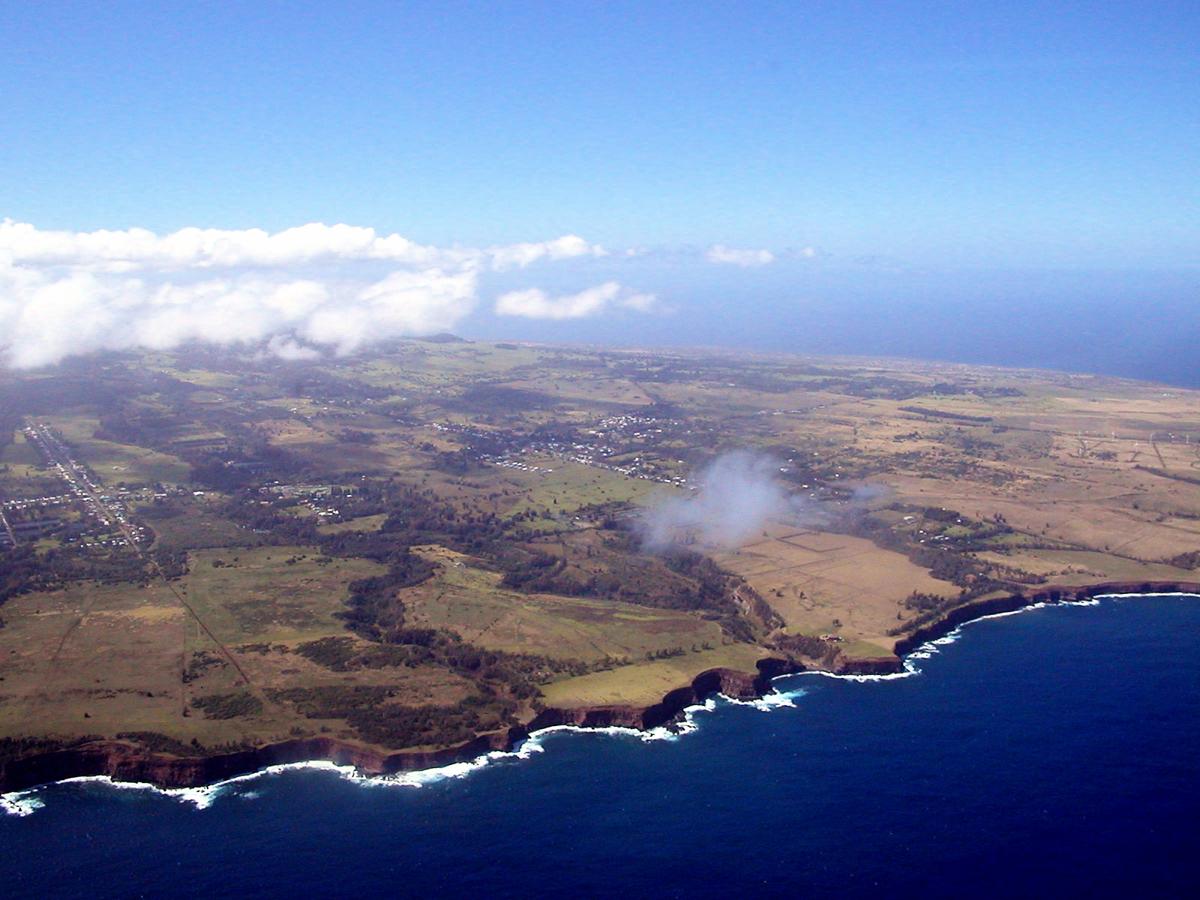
(1127, 324)
(211, 560)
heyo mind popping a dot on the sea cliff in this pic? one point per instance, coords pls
(1054, 593)
(125, 761)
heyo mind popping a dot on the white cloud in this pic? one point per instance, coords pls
(522, 255)
(535, 303)
(643, 303)
(335, 287)
(287, 349)
(215, 248)
(719, 253)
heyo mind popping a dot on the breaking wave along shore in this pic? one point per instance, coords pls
(525, 745)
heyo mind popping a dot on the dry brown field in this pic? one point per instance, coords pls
(1066, 478)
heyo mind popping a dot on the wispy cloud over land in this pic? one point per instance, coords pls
(305, 290)
(735, 496)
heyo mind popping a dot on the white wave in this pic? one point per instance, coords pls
(929, 648)
(24, 803)
(422, 777)
(1003, 615)
(20, 803)
(535, 744)
(1135, 596)
(772, 700)
(203, 797)
(907, 672)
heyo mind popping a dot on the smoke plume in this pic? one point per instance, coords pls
(736, 495)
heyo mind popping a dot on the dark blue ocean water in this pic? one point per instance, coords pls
(1055, 752)
(1141, 324)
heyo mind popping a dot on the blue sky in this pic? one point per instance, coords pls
(914, 139)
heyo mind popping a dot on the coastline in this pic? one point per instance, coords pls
(1045, 594)
(124, 763)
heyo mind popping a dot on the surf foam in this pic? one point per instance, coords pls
(24, 803)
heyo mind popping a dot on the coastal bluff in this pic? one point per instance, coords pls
(126, 762)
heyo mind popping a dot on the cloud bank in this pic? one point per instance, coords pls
(206, 248)
(737, 494)
(301, 291)
(719, 253)
(537, 304)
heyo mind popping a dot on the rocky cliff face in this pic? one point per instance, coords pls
(867, 665)
(124, 761)
(731, 683)
(977, 609)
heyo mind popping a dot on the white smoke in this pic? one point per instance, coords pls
(300, 291)
(736, 495)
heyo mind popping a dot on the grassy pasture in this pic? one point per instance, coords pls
(812, 579)
(202, 377)
(94, 658)
(1094, 469)
(195, 529)
(362, 523)
(470, 601)
(261, 597)
(1090, 511)
(585, 389)
(1074, 565)
(20, 455)
(99, 659)
(114, 463)
(647, 682)
(285, 432)
(569, 486)
(324, 451)
(21, 474)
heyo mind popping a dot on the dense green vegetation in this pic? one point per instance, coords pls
(370, 712)
(229, 706)
(517, 674)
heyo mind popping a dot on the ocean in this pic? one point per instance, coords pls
(1140, 325)
(1053, 752)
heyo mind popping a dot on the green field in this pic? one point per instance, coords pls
(473, 573)
(20, 455)
(117, 463)
(270, 594)
(362, 523)
(470, 601)
(569, 486)
(645, 684)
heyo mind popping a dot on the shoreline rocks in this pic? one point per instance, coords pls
(124, 761)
